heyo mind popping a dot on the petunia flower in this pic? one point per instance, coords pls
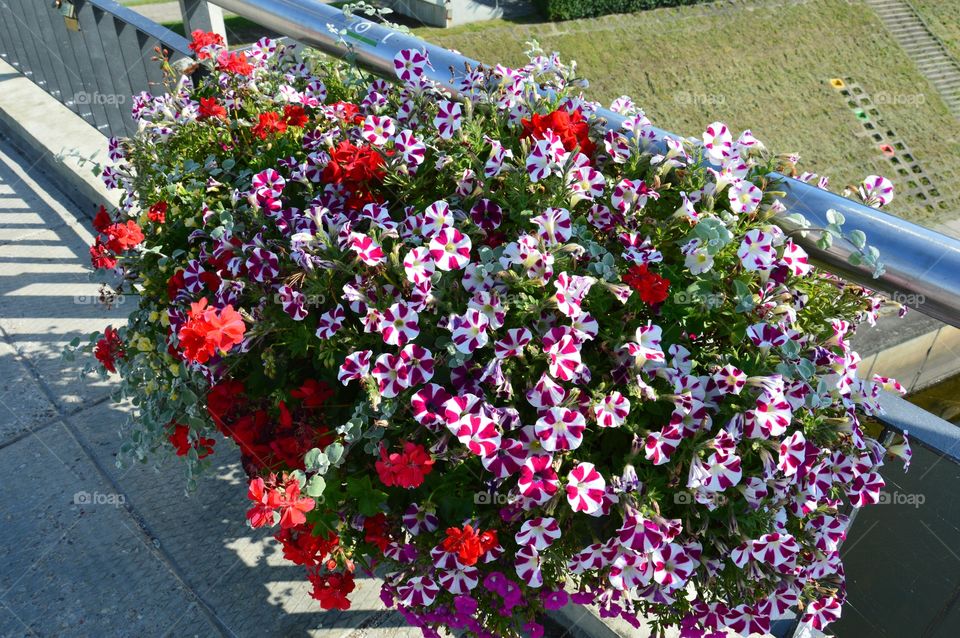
(513, 343)
(330, 322)
(612, 410)
(744, 197)
(560, 429)
(538, 482)
(718, 142)
(427, 405)
(528, 565)
(399, 324)
(378, 130)
(419, 363)
(355, 366)
(450, 249)
(585, 488)
(876, 191)
(479, 433)
(539, 532)
(391, 374)
(448, 119)
(756, 251)
(469, 330)
(553, 226)
(411, 149)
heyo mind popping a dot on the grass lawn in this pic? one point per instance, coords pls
(759, 64)
(943, 17)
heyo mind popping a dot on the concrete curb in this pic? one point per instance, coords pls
(54, 139)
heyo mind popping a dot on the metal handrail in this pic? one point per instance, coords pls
(922, 265)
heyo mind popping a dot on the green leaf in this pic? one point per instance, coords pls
(315, 461)
(334, 453)
(858, 238)
(315, 486)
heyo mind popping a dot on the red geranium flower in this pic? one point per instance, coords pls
(209, 107)
(233, 62)
(353, 166)
(293, 507)
(332, 589)
(294, 115)
(224, 400)
(208, 331)
(269, 123)
(302, 547)
(100, 257)
(571, 128)
(346, 110)
(467, 544)
(203, 39)
(122, 237)
(109, 349)
(651, 287)
(404, 469)
(376, 532)
(313, 394)
(102, 219)
(158, 212)
(180, 439)
(265, 501)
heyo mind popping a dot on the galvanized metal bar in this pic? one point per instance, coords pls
(922, 266)
(119, 71)
(178, 45)
(202, 15)
(128, 39)
(104, 68)
(62, 84)
(45, 76)
(926, 429)
(24, 58)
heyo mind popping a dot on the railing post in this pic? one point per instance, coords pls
(200, 14)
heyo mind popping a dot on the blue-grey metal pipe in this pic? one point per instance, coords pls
(922, 266)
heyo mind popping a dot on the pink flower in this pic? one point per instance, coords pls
(585, 488)
(399, 324)
(539, 533)
(571, 291)
(513, 344)
(330, 322)
(553, 226)
(412, 150)
(672, 566)
(419, 364)
(744, 197)
(378, 130)
(775, 549)
(793, 452)
(410, 65)
(563, 358)
(538, 482)
(586, 184)
(647, 345)
(418, 265)
(612, 410)
(756, 251)
(391, 374)
(478, 433)
(354, 367)
(876, 191)
(450, 249)
(507, 460)
(560, 429)
(660, 446)
(427, 404)
(796, 259)
(718, 142)
(436, 217)
(822, 612)
(368, 250)
(448, 119)
(469, 331)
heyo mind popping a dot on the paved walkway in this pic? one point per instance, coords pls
(92, 550)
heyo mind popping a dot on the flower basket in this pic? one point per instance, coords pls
(506, 357)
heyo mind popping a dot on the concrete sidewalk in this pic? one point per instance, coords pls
(93, 550)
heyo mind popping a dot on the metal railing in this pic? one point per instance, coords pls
(91, 55)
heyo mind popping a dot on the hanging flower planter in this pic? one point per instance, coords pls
(505, 357)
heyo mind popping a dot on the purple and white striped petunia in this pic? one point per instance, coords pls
(293, 302)
(419, 591)
(756, 251)
(876, 191)
(410, 65)
(355, 366)
(560, 429)
(612, 410)
(469, 330)
(450, 249)
(378, 129)
(744, 197)
(539, 532)
(527, 563)
(513, 344)
(262, 265)
(553, 226)
(419, 362)
(391, 374)
(793, 453)
(538, 482)
(399, 324)
(330, 322)
(479, 433)
(412, 150)
(585, 488)
(418, 265)
(448, 119)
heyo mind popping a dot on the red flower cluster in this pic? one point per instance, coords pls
(404, 469)
(113, 238)
(209, 107)
(652, 288)
(158, 212)
(571, 128)
(270, 496)
(270, 442)
(109, 349)
(467, 544)
(332, 589)
(356, 167)
(301, 547)
(209, 331)
(294, 115)
(376, 532)
(202, 40)
(268, 123)
(180, 439)
(233, 62)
